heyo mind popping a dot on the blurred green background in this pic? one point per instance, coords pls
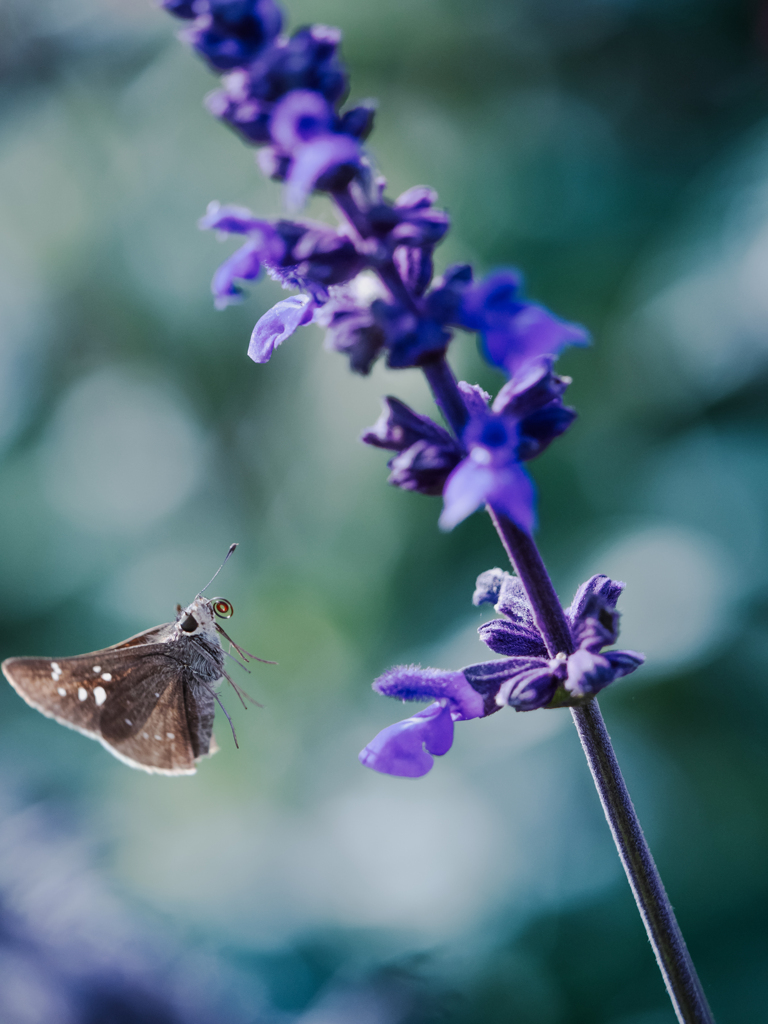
(617, 151)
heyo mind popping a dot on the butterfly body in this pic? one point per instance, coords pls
(149, 700)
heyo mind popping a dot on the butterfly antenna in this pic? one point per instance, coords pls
(210, 581)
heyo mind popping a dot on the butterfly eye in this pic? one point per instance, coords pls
(223, 608)
(189, 625)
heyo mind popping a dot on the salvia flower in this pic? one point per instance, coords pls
(405, 748)
(526, 677)
(525, 417)
(594, 624)
(485, 467)
(512, 329)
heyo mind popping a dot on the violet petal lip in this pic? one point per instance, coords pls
(406, 748)
(277, 324)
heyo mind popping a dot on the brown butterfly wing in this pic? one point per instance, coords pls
(134, 703)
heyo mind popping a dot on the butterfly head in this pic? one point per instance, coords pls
(197, 618)
(200, 616)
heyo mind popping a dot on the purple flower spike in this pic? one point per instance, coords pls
(400, 748)
(277, 324)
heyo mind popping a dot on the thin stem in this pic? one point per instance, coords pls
(446, 393)
(672, 954)
(665, 936)
(528, 564)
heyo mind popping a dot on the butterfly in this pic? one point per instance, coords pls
(149, 700)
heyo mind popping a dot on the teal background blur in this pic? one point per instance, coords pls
(617, 151)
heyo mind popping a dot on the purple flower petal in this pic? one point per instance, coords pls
(540, 428)
(624, 662)
(399, 427)
(234, 220)
(606, 589)
(513, 602)
(475, 399)
(423, 467)
(511, 639)
(399, 749)
(244, 264)
(300, 116)
(530, 333)
(531, 686)
(490, 676)
(277, 324)
(412, 682)
(419, 197)
(508, 488)
(588, 673)
(531, 389)
(314, 159)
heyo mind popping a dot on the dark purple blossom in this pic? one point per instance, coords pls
(349, 324)
(426, 453)
(594, 624)
(230, 33)
(525, 677)
(303, 129)
(298, 254)
(307, 61)
(411, 338)
(525, 417)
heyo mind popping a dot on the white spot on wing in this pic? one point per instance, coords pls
(82, 693)
(171, 736)
(61, 691)
(107, 677)
(55, 671)
(128, 721)
(157, 736)
(145, 735)
(99, 695)
(97, 669)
